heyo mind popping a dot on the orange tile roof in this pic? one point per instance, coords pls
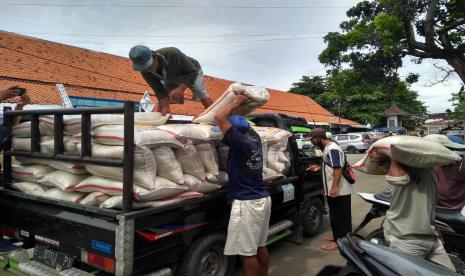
(38, 65)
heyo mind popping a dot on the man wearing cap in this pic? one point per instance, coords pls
(251, 206)
(169, 72)
(338, 191)
(409, 226)
(451, 191)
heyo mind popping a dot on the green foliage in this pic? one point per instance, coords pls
(350, 94)
(458, 101)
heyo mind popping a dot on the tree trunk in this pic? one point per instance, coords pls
(458, 63)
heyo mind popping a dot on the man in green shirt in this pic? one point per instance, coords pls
(410, 221)
(169, 72)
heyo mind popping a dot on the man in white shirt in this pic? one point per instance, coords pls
(337, 189)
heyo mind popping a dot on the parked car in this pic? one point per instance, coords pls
(354, 142)
(376, 135)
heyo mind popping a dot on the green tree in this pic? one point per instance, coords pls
(387, 30)
(458, 101)
(351, 94)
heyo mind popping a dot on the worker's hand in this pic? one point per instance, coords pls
(313, 168)
(25, 99)
(240, 99)
(178, 92)
(334, 191)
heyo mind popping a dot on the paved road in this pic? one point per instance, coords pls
(287, 258)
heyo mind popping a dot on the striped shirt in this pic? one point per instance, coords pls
(333, 157)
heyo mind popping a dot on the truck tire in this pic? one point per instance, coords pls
(352, 150)
(205, 257)
(313, 220)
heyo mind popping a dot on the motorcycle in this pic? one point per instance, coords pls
(450, 226)
(366, 258)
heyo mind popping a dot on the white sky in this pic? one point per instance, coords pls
(272, 44)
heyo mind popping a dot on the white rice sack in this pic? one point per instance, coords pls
(223, 157)
(272, 135)
(144, 136)
(29, 188)
(105, 185)
(265, 152)
(164, 188)
(24, 144)
(62, 180)
(197, 185)
(62, 195)
(167, 164)
(194, 132)
(209, 158)
(408, 150)
(21, 130)
(221, 178)
(190, 161)
(143, 178)
(73, 123)
(94, 199)
(258, 96)
(75, 168)
(273, 158)
(30, 173)
(46, 125)
(48, 146)
(270, 174)
(281, 154)
(117, 201)
(143, 157)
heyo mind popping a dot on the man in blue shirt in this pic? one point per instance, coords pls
(251, 207)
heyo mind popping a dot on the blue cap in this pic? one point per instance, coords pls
(239, 121)
(141, 57)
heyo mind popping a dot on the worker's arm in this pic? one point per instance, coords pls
(221, 117)
(155, 84)
(337, 174)
(396, 174)
(25, 100)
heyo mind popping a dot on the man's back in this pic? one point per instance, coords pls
(412, 209)
(245, 164)
(451, 193)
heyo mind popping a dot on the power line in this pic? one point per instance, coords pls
(144, 35)
(171, 6)
(194, 42)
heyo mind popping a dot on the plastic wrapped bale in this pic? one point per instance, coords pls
(257, 96)
(408, 150)
(75, 168)
(24, 144)
(273, 158)
(48, 146)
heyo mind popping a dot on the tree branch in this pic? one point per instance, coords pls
(451, 26)
(411, 41)
(429, 31)
(420, 54)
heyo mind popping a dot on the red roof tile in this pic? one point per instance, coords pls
(39, 64)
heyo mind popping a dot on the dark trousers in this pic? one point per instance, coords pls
(340, 215)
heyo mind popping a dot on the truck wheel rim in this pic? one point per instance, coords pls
(313, 216)
(213, 262)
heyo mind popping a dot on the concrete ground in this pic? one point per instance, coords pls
(287, 258)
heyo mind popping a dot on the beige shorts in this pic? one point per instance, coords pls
(248, 226)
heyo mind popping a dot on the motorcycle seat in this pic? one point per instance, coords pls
(400, 263)
(450, 217)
